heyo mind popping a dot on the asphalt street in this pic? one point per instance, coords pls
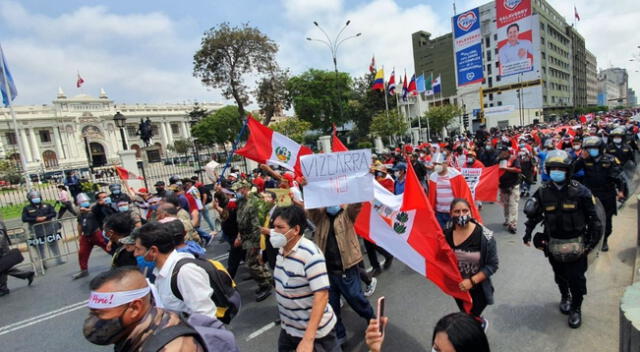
(49, 314)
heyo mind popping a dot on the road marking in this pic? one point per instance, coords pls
(260, 331)
(42, 317)
(221, 257)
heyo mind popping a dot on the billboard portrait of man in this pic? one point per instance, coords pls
(515, 49)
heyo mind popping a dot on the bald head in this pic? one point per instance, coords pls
(120, 279)
(166, 209)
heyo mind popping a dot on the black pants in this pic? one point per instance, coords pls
(20, 274)
(236, 255)
(269, 255)
(328, 343)
(608, 200)
(479, 301)
(570, 279)
(372, 248)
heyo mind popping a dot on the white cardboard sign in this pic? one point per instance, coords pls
(337, 178)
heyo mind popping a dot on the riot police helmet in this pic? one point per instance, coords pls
(82, 198)
(618, 132)
(548, 144)
(592, 142)
(115, 188)
(557, 159)
(33, 194)
(174, 179)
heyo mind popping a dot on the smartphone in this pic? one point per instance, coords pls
(380, 314)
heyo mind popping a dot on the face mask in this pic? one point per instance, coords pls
(333, 210)
(438, 168)
(159, 190)
(239, 196)
(379, 174)
(277, 239)
(36, 200)
(85, 205)
(461, 220)
(124, 208)
(522, 145)
(617, 140)
(576, 147)
(107, 200)
(470, 160)
(557, 176)
(396, 174)
(142, 263)
(116, 191)
(103, 332)
(488, 147)
(594, 152)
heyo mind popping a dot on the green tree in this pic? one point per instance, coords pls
(293, 128)
(439, 117)
(391, 126)
(218, 128)
(181, 146)
(272, 94)
(227, 54)
(321, 97)
(10, 171)
(366, 103)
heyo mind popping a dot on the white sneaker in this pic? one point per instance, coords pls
(485, 324)
(371, 288)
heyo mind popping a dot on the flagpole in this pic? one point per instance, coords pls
(233, 150)
(384, 92)
(23, 160)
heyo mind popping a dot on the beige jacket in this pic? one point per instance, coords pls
(345, 234)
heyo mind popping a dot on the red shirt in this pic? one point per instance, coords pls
(193, 205)
(388, 184)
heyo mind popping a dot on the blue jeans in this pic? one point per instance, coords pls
(204, 235)
(347, 284)
(205, 214)
(443, 219)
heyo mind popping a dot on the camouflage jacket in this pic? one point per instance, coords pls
(249, 222)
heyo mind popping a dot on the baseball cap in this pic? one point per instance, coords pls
(159, 183)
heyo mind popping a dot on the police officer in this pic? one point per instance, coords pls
(117, 195)
(571, 230)
(603, 177)
(5, 246)
(39, 216)
(619, 147)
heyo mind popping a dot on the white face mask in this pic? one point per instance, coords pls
(277, 239)
(617, 140)
(438, 168)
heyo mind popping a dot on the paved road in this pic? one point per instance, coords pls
(524, 318)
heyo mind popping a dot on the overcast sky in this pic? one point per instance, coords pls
(142, 51)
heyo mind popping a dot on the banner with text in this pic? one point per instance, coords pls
(337, 178)
(467, 45)
(483, 182)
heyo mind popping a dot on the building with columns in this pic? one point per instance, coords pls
(75, 132)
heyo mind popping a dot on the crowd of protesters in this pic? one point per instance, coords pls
(312, 259)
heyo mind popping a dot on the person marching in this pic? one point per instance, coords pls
(619, 147)
(571, 230)
(603, 177)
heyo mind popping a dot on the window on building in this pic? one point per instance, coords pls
(490, 96)
(542, 40)
(544, 56)
(498, 80)
(45, 136)
(175, 128)
(495, 37)
(499, 103)
(491, 105)
(490, 82)
(489, 69)
(11, 138)
(488, 55)
(485, 105)
(497, 64)
(155, 130)
(131, 130)
(487, 41)
(496, 51)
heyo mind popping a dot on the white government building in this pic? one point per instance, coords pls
(75, 131)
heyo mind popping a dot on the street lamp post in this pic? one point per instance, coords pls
(193, 120)
(333, 46)
(121, 122)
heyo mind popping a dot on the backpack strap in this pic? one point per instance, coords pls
(157, 341)
(174, 275)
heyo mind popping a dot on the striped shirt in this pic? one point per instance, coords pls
(298, 275)
(444, 192)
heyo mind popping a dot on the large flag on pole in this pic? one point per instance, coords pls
(437, 87)
(405, 89)
(420, 85)
(412, 85)
(378, 82)
(267, 146)
(336, 143)
(79, 81)
(405, 225)
(6, 80)
(392, 83)
(483, 182)
(429, 85)
(372, 65)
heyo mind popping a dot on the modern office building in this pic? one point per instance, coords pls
(613, 84)
(632, 98)
(592, 79)
(76, 131)
(579, 67)
(434, 56)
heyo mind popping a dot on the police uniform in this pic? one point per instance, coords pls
(43, 230)
(623, 152)
(603, 177)
(568, 213)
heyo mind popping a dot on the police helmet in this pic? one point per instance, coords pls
(557, 158)
(618, 131)
(33, 194)
(82, 197)
(592, 142)
(548, 143)
(115, 187)
(174, 179)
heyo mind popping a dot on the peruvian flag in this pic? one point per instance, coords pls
(125, 174)
(483, 182)
(79, 81)
(459, 187)
(405, 225)
(336, 143)
(575, 13)
(391, 88)
(269, 147)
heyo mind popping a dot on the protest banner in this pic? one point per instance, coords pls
(282, 196)
(337, 178)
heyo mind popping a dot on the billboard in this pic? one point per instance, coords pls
(516, 51)
(467, 46)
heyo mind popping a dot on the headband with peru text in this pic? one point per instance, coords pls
(104, 300)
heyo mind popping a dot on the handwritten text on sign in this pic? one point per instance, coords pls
(337, 178)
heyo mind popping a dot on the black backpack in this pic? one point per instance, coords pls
(225, 295)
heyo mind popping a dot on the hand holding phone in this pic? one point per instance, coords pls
(380, 314)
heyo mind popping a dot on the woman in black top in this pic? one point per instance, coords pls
(475, 249)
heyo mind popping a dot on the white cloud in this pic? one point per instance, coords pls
(137, 58)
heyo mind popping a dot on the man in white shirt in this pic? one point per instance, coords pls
(515, 49)
(156, 243)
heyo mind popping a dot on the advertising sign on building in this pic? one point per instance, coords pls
(467, 45)
(516, 53)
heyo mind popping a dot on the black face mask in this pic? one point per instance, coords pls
(462, 220)
(103, 331)
(159, 190)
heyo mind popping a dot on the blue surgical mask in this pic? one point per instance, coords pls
(142, 263)
(85, 205)
(333, 210)
(107, 200)
(558, 176)
(239, 196)
(36, 200)
(594, 152)
(123, 208)
(116, 191)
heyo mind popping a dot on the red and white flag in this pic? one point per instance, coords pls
(459, 187)
(336, 143)
(575, 13)
(406, 226)
(483, 182)
(79, 81)
(125, 174)
(269, 147)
